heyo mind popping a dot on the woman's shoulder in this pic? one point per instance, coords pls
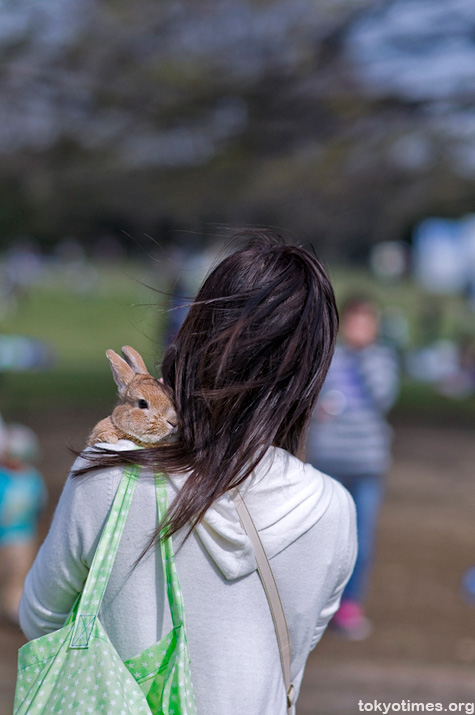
(280, 465)
(298, 491)
(334, 499)
(85, 461)
(89, 493)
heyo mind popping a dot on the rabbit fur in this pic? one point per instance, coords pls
(145, 414)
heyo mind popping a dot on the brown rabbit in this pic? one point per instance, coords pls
(145, 413)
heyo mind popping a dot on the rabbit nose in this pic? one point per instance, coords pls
(171, 418)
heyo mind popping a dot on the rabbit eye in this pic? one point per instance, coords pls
(143, 404)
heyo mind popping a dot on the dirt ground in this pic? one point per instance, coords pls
(422, 649)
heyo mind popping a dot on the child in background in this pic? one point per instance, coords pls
(350, 439)
(22, 498)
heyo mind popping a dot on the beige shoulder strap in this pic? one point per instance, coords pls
(270, 588)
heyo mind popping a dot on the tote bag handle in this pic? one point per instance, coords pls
(98, 577)
(174, 593)
(270, 587)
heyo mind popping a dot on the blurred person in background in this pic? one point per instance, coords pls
(22, 499)
(350, 439)
(189, 263)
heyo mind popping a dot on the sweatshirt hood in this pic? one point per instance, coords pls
(285, 498)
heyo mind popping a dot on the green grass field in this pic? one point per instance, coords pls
(118, 310)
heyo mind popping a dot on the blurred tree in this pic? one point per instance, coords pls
(346, 120)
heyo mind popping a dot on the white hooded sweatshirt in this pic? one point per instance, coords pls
(307, 524)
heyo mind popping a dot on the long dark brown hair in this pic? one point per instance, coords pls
(244, 370)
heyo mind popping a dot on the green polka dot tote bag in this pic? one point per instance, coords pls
(77, 669)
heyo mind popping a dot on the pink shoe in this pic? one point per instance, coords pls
(350, 622)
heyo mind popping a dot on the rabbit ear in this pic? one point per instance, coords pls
(135, 360)
(122, 372)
